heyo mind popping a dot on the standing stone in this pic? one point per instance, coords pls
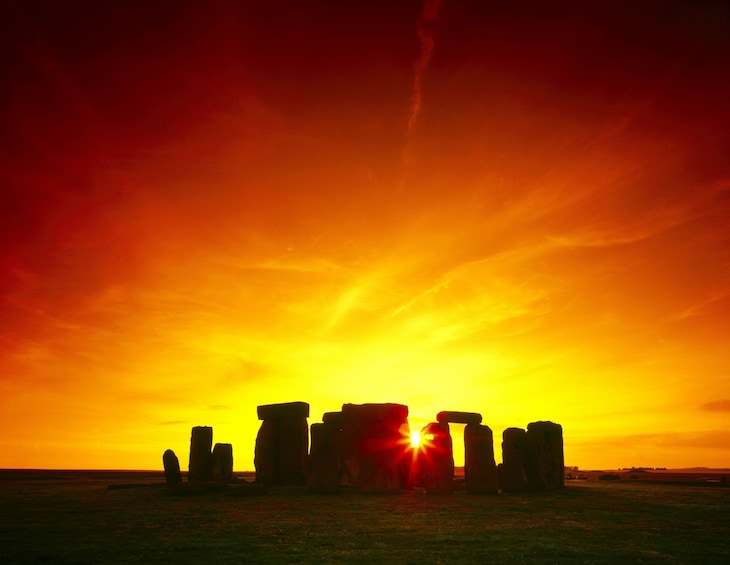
(282, 443)
(223, 462)
(375, 442)
(436, 459)
(265, 454)
(547, 471)
(323, 470)
(172, 468)
(480, 469)
(292, 449)
(512, 473)
(200, 465)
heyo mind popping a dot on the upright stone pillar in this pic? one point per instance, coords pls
(548, 469)
(512, 475)
(480, 469)
(436, 459)
(323, 469)
(200, 466)
(282, 443)
(172, 468)
(223, 462)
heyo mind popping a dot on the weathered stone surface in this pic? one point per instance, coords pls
(547, 469)
(452, 417)
(200, 466)
(512, 472)
(323, 467)
(222, 461)
(282, 443)
(172, 468)
(375, 442)
(480, 469)
(283, 410)
(436, 459)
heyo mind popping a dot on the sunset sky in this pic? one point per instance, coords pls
(515, 208)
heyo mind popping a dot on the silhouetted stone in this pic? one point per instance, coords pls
(375, 440)
(480, 469)
(452, 417)
(512, 473)
(293, 446)
(172, 468)
(265, 453)
(333, 417)
(223, 462)
(200, 466)
(376, 411)
(547, 470)
(323, 468)
(436, 459)
(282, 443)
(283, 410)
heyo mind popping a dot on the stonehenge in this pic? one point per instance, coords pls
(368, 447)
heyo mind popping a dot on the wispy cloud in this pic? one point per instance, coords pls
(722, 405)
(426, 20)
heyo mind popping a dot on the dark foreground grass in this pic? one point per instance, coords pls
(81, 521)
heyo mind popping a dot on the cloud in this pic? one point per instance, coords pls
(722, 405)
(428, 16)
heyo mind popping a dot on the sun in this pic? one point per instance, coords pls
(415, 439)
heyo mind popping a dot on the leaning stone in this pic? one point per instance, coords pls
(172, 468)
(200, 465)
(436, 459)
(480, 469)
(451, 417)
(283, 410)
(323, 472)
(223, 462)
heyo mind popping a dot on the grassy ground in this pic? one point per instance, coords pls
(78, 520)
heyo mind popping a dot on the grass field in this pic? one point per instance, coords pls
(75, 518)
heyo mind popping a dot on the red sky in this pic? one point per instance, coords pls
(505, 207)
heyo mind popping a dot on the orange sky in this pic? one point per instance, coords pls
(496, 207)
